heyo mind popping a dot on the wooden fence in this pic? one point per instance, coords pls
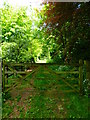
(21, 70)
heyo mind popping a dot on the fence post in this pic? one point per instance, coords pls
(0, 89)
(88, 70)
(81, 76)
(88, 74)
(7, 75)
(3, 80)
(0, 74)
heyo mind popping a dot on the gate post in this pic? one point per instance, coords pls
(7, 75)
(0, 89)
(81, 76)
(3, 80)
(88, 74)
(0, 75)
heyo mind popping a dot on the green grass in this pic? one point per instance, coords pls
(43, 99)
(77, 107)
(18, 98)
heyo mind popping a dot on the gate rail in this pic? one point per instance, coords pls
(8, 70)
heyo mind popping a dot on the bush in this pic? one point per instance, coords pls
(49, 61)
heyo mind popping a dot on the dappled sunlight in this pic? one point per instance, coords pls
(22, 3)
(45, 52)
(41, 61)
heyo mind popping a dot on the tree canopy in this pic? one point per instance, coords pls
(70, 24)
(19, 34)
(58, 32)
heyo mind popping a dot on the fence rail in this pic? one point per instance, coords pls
(10, 68)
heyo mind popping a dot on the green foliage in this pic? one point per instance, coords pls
(86, 82)
(69, 23)
(56, 33)
(49, 61)
(76, 108)
(9, 50)
(20, 40)
(18, 98)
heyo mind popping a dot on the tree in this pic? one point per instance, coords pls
(19, 38)
(70, 24)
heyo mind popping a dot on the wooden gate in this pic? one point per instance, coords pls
(16, 72)
(20, 71)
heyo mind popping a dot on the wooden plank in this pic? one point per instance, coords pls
(9, 75)
(67, 72)
(63, 72)
(12, 79)
(6, 75)
(88, 70)
(30, 73)
(81, 76)
(47, 78)
(68, 91)
(10, 87)
(50, 71)
(72, 78)
(7, 86)
(38, 64)
(18, 72)
(59, 86)
(70, 85)
(0, 76)
(3, 82)
(87, 65)
(69, 78)
(14, 72)
(15, 64)
(21, 64)
(6, 80)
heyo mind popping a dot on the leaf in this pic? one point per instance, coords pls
(8, 33)
(12, 30)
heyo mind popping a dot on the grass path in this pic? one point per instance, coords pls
(41, 96)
